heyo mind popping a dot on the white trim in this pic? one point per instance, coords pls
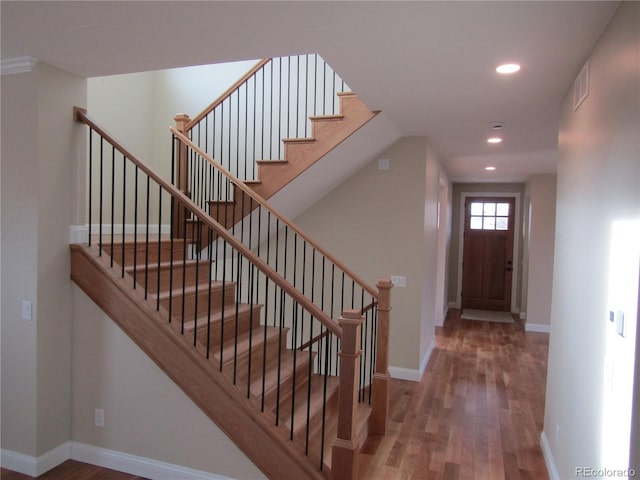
(19, 462)
(412, 374)
(516, 241)
(103, 457)
(548, 457)
(523, 315)
(454, 305)
(135, 465)
(80, 233)
(35, 466)
(443, 315)
(10, 66)
(536, 327)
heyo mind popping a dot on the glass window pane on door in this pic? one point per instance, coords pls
(502, 210)
(489, 223)
(476, 209)
(489, 209)
(476, 223)
(502, 223)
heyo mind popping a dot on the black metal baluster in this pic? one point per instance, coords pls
(124, 209)
(91, 183)
(135, 229)
(222, 306)
(159, 244)
(113, 198)
(146, 258)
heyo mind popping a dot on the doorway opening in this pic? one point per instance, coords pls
(488, 251)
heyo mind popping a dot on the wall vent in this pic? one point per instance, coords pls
(581, 87)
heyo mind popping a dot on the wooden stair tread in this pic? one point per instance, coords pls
(201, 287)
(216, 314)
(256, 337)
(271, 375)
(315, 406)
(168, 264)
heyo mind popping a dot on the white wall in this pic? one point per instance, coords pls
(590, 373)
(39, 141)
(540, 248)
(382, 223)
(146, 413)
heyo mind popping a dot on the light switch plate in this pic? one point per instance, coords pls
(620, 323)
(399, 281)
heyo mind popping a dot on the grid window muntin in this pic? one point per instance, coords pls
(489, 216)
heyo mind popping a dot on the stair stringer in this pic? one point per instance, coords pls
(265, 444)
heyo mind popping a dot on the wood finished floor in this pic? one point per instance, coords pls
(477, 413)
(72, 470)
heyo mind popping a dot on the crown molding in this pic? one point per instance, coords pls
(10, 66)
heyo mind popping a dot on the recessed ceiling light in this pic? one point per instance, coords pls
(507, 68)
(494, 140)
(490, 169)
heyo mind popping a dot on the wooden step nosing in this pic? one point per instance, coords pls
(319, 118)
(203, 288)
(299, 140)
(271, 162)
(190, 263)
(216, 315)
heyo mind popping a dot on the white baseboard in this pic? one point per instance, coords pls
(453, 305)
(134, 465)
(412, 374)
(536, 327)
(548, 457)
(103, 457)
(523, 315)
(80, 233)
(35, 466)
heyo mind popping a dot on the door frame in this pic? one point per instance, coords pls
(517, 233)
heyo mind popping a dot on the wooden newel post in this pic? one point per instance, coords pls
(380, 384)
(181, 179)
(344, 456)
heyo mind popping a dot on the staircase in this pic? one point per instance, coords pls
(276, 341)
(267, 147)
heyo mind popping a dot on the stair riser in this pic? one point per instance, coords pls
(245, 321)
(189, 272)
(198, 305)
(286, 381)
(258, 354)
(140, 251)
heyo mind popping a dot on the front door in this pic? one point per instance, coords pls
(488, 253)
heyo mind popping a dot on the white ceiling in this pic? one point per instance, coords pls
(429, 66)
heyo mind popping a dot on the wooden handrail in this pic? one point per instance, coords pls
(82, 117)
(227, 93)
(248, 191)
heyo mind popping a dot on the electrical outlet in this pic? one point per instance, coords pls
(98, 417)
(383, 164)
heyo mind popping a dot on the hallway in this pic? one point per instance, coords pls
(476, 414)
